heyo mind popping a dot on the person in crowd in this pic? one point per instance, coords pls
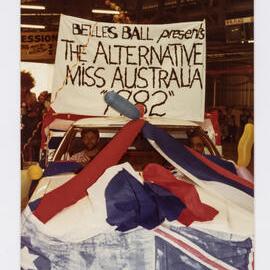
(244, 117)
(222, 120)
(37, 113)
(30, 117)
(232, 129)
(42, 99)
(28, 98)
(90, 139)
(195, 141)
(221, 117)
(251, 117)
(47, 102)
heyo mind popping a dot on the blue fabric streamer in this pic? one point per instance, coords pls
(55, 168)
(130, 204)
(180, 154)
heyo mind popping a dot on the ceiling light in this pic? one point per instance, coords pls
(106, 11)
(40, 14)
(34, 26)
(33, 7)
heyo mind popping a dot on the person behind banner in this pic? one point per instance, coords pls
(30, 118)
(90, 139)
(195, 141)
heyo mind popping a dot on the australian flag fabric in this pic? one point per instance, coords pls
(122, 219)
(112, 251)
(190, 249)
(170, 248)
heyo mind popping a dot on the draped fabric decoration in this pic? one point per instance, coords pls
(195, 163)
(142, 216)
(131, 203)
(200, 168)
(75, 189)
(195, 209)
(212, 174)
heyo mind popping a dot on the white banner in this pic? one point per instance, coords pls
(160, 66)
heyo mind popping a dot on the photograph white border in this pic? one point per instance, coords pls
(10, 135)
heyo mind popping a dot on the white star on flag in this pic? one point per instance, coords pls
(27, 259)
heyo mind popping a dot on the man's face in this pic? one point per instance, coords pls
(90, 140)
(197, 144)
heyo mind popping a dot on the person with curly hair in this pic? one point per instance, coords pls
(28, 99)
(30, 117)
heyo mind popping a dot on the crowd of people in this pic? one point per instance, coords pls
(232, 122)
(32, 111)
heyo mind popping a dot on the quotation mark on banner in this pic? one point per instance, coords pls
(171, 93)
(103, 92)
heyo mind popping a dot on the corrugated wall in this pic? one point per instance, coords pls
(237, 91)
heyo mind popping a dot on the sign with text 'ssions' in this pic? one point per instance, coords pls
(38, 46)
(159, 66)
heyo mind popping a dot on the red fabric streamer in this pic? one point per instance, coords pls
(195, 210)
(76, 188)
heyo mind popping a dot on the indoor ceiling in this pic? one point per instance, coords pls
(230, 44)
